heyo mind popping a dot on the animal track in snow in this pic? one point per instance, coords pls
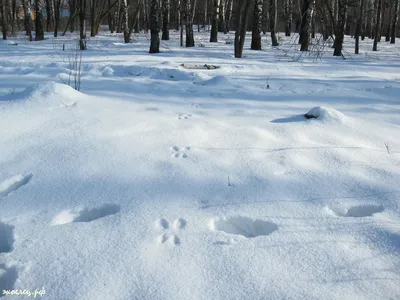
(6, 238)
(245, 226)
(8, 277)
(180, 152)
(85, 215)
(184, 116)
(13, 183)
(170, 236)
(359, 211)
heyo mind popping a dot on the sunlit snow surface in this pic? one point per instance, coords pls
(162, 182)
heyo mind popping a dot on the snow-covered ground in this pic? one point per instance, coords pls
(161, 182)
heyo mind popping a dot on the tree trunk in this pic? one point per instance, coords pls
(165, 32)
(57, 12)
(221, 16)
(358, 27)
(3, 19)
(305, 26)
(82, 24)
(50, 15)
(39, 33)
(257, 19)
(215, 20)
(288, 7)
(188, 23)
(339, 34)
(154, 27)
(377, 26)
(228, 12)
(394, 22)
(28, 18)
(125, 22)
(272, 21)
(242, 12)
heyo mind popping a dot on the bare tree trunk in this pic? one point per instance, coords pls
(57, 11)
(228, 12)
(257, 19)
(215, 20)
(188, 23)
(154, 27)
(50, 15)
(125, 23)
(39, 33)
(359, 24)
(242, 12)
(305, 26)
(377, 26)
(165, 32)
(394, 22)
(288, 5)
(28, 18)
(221, 21)
(272, 21)
(82, 24)
(339, 34)
(4, 24)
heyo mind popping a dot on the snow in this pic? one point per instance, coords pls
(160, 182)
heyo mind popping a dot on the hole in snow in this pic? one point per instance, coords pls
(8, 277)
(364, 211)
(6, 237)
(13, 183)
(85, 215)
(245, 226)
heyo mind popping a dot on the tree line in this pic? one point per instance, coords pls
(334, 19)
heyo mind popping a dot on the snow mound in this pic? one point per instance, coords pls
(244, 226)
(217, 81)
(46, 91)
(108, 72)
(325, 114)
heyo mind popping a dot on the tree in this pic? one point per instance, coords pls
(359, 25)
(377, 26)
(27, 18)
(305, 26)
(188, 22)
(242, 12)
(125, 22)
(394, 21)
(154, 27)
(82, 24)
(288, 6)
(339, 32)
(165, 9)
(215, 21)
(3, 18)
(50, 15)
(39, 33)
(257, 19)
(272, 21)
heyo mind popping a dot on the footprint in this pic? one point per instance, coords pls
(170, 235)
(85, 215)
(13, 183)
(8, 277)
(179, 152)
(359, 211)
(245, 226)
(6, 238)
(184, 116)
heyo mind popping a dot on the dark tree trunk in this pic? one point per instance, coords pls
(125, 22)
(28, 18)
(188, 23)
(82, 24)
(272, 21)
(358, 27)
(222, 20)
(394, 22)
(339, 34)
(215, 21)
(165, 31)
(57, 12)
(305, 25)
(288, 7)
(154, 27)
(257, 19)
(3, 19)
(39, 33)
(228, 16)
(377, 26)
(50, 15)
(242, 12)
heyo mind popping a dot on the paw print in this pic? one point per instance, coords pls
(171, 231)
(179, 152)
(184, 116)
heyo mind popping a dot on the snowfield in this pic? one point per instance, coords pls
(158, 181)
